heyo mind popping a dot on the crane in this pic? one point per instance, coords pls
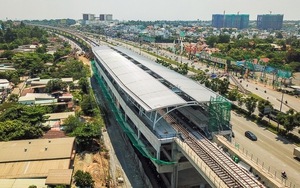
(270, 11)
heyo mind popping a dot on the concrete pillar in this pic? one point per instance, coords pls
(174, 174)
(158, 153)
(125, 117)
(139, 134)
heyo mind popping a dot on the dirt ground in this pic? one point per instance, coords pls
(96, 164)
(85, 61)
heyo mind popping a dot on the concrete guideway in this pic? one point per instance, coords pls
(208, 159)
(265, 176)
(214, 165)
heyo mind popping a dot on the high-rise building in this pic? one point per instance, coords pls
(108, 17)
(239, 21)
(217, 20)
(269, 21)
(88, 16)
(102, 17)
(105, 17)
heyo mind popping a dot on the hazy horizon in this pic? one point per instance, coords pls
(145, 10)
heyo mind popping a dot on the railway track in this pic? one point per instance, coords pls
(223, 166)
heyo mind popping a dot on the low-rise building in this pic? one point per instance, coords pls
(39, 162)
(54, 120)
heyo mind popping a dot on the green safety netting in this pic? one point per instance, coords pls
(219, 113)
(127, 129)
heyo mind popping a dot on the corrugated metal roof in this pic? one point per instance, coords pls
(31, 169)
(62, 115)
(59, 177)
(141, 86)
(40, 95)
(145, 89)
(21, 183)
(36, 149)
(187, 85)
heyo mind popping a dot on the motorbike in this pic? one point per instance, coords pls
(283, 175)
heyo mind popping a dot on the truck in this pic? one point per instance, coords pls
(297, 152)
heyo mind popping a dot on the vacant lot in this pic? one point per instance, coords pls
(96, 164)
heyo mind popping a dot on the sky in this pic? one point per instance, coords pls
(145, 10)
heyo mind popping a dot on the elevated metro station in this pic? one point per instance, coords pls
(170, 119)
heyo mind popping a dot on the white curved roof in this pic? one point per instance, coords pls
(185, 84)
(141, 86)
(150, 93)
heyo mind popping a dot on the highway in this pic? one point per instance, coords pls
(271, 150)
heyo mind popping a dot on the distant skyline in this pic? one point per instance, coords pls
(145, 10)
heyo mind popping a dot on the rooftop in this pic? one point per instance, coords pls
(59, 177)
(62, 115)
(36, 149)
(134, 78)
(31, 169)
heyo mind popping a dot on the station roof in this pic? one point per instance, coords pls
(185, 84)
(148, 91)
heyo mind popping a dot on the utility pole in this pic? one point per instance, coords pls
(280, 105)
(140, 44)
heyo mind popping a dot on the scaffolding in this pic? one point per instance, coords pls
(219, 114)
(137, 143)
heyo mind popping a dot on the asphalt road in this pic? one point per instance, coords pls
(272, 151)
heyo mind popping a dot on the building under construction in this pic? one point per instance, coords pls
(239, 21)
(269, 21)
(169, 119)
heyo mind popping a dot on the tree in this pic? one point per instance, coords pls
(34, 115)
(60, 186)
(71, 123)
(83, 179)
(18, 130)
(224, 38)
(295, 66)
(13, 97)
(7, 54)
(119, 34)
(251, 104)
(279, 35)
(262, 104)
(10, 35)
(41, 49)
(234, 94)
(212, 40)
(289, 120)
(292, 56)
(87, 105)
(55, 85)
(84, 85)
(32, 186)
(224, 85)
(85, 134)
